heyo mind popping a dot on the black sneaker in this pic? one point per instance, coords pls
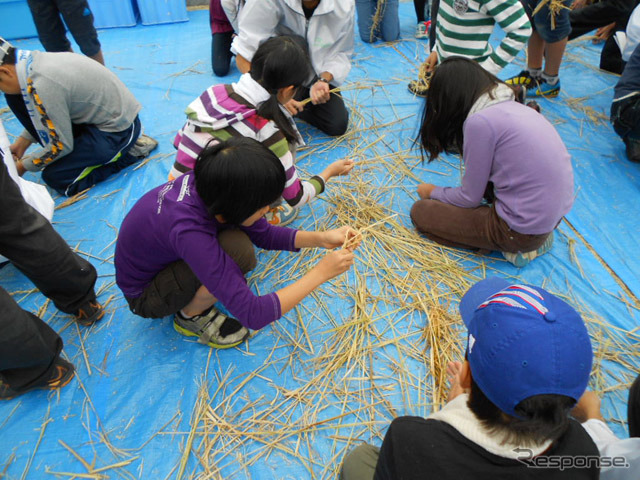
(419, 88)
(632, 149)
(89, 313)
(524, 78)
(61, 375)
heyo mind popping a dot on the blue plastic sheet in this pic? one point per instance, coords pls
(136, 403)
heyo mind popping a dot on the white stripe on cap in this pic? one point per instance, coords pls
(514, 295)
(512, 302)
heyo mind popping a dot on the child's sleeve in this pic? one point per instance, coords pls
(296, 192)
(478, 151)
(257, 22)
(232, 10)
(337, 60)
(52, 102)
(512, 18)
(223, 279)
(270, 237)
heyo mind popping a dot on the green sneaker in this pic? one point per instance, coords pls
(520, 259)
(212, 328)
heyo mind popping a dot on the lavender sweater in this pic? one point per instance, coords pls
(171, 223)
(518, 150)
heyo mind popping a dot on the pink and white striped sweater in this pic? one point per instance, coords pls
(225, 111)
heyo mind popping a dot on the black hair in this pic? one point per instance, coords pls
(10, 57)
(238, 177)
(280, 62)
(543, 417)
(454, 87)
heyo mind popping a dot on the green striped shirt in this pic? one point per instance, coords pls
(467, 34)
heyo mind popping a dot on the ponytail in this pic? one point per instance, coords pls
(271, 111)
(280, 62)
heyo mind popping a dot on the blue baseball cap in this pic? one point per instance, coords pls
(524, 341)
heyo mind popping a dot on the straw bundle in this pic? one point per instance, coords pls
(555, 6)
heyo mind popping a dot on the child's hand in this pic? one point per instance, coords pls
(336, 238)
(431, 62)
(337, 168)
(425, 190)
(20, 167)
(587, 407)
(454, 369)
(294, 107)
(320, 93)
(334, 263)
(603, 33)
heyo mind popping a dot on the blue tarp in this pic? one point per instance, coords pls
(138, 381)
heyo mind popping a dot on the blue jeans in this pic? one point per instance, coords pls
(387, 28)
(541, 22)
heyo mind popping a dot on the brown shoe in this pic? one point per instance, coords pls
(61, 375)
(89, 313)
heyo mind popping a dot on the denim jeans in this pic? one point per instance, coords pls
(541, 21)
(386, 28)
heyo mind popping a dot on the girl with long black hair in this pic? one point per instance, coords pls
(518, 179)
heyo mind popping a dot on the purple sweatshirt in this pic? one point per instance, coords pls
(171, 223)
(518, 150)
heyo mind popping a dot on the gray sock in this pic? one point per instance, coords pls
(550, 79)
(534, 72)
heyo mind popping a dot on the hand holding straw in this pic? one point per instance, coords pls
(307, 100)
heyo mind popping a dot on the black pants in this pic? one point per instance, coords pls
(435, 6)
(600, 14)
(221, 53)
(28, 346)
(633, 409)
(78, 18)
(332, 117)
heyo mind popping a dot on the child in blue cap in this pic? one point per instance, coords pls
(528, 362)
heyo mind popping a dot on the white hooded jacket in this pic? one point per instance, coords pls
(329, 32)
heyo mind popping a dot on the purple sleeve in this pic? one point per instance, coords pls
(269, 237)
(479, 149)
(224, 280)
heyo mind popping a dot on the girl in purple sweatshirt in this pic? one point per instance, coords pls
(518, 179)
(188, 243)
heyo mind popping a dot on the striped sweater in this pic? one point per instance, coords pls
(463, 28)
(225, 111)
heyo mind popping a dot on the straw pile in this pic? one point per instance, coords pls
(383, 354)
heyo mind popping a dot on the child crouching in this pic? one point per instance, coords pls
(186, 244)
